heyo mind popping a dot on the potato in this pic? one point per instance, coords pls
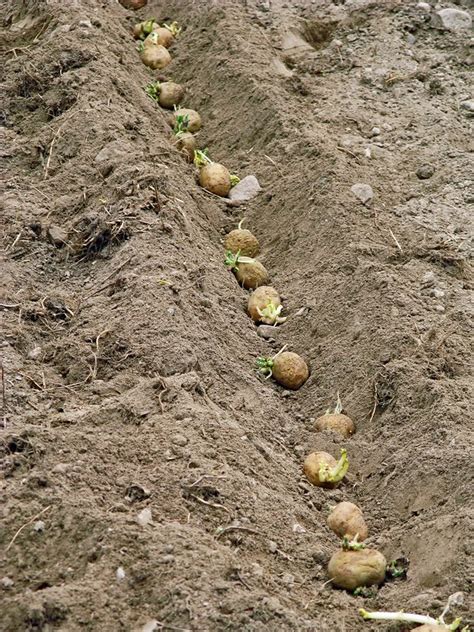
(165, 37)
(259, 300)
(352, 569)
(215, 178)
(251, 275)
(171, 94)
(155, 57)
(322, 469)
(194, 120)
(346, 519)
(338, 422)
(186, 144)
(243, 241)
(138, 30)
(133, 4)
(290, 370)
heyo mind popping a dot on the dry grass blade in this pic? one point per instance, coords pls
(12, 541)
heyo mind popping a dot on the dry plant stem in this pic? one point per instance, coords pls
(103, 287)
(395, 240)
(12, 541)
(55, 138)
(376, 402)
(201, 478)
(4, 397)
(215, 505)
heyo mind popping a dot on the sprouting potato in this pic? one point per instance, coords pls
(171, 94)
(215, 178)
(264, 306)
(193, 119)
(351, 569)
(322, 469)
(243, 241)
(249, 272)
(186, 144)
(335, 420)
(133, 4)
(346, 519)
(142, 29)
(165, 37)
(155, 56)
(287, 368)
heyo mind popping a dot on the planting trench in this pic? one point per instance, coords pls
(129, 359)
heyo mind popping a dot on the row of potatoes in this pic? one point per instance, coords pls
(353, 567)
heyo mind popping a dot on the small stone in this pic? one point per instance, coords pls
(272, 546)
(411, 39)
(39, 526)
(57, 236)
(436, 293)
(425, 171)
(363, 192)
(61, 468)
(120, 574)
(298, 528)
(136, 493)
(87, 24)
(375, 131)
(179, 439)
(352, 37)
(453, 19)
(424, 6)
(6, 583)
(166, 559)
(288, 579)
(267, 331)
(245, 190)
(440, 308)
(467, 107)
(428, 279)
(150, 626)
(145, 517)
(35, 353)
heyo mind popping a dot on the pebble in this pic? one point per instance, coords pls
(57, 236)
(363, 192)
(151, 626)
(298, 528)
(245, 190)
(375, 131)
(425, 171)
(428, 279)
(6, 583)
(144, 517)
(272, 546)
(120, 574)
(453, 19)
(267, 331)
(39, 526)
(467, 107)
(180, 440)
(86, 23)
(424, 6)
(61, 468)
(35, 353)
(436, 293)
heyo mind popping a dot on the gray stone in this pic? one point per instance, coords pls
(467, 107)
(428, 279)
(6, 583)
(424, 6)
(453, 19)
(267, 332)
(144, 517)
(363, 192)
(39, 526)
(245, 190)
(179, 439)
(57, 236)
(425, 171)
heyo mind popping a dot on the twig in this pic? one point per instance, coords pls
(165, 626)
(9, 306)
(96, 355)
(201, 478)
(395, 240)
(275, 164)
(4, 397)
(348, 151)
(25, 525)
(15, 241)
(234, 528)
(205, 502)
(55, 138)
(376, 402)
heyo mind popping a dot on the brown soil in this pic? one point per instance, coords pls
(129, 359)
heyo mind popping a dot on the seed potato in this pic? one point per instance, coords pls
(171, 94)
(165, 37)
(290, 370)
(186, 144)
(322, 469)
(338, 422)
(155, 57)
(243, 241)
(353, 569)
(194, 124)
(260, 299)
(251, 275)
(133, 4)
(346, 519)
(215, 178)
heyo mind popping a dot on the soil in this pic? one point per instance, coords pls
(129, 378)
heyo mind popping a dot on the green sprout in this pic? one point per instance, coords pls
(147, 27)
(354, 544)
(232, 260)
(338, 408)
(335, 475)
(234, 179)
(201, 158)
(364, 591)
(265, 365)
(140, 47)
(271, 314)
(409, 617)
(181, 124)
(153, 90)
(397, 569)
(173, 28)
